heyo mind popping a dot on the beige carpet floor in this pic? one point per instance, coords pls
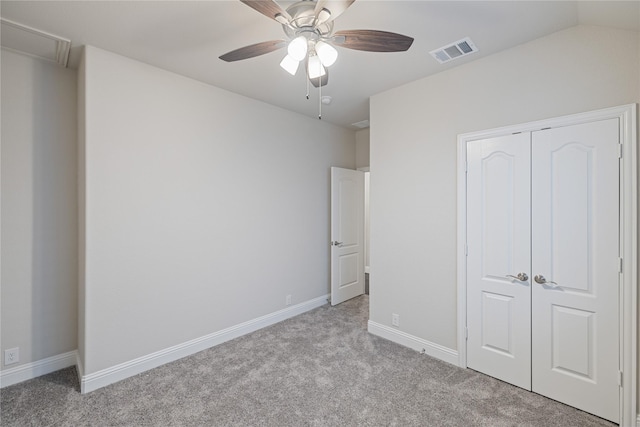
(321, 368)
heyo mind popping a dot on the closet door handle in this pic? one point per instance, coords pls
(521, 277)
(541, 280)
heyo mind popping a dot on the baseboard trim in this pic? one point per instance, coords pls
(638, 421)
(32, 370)
(102, 378)
(432, 349)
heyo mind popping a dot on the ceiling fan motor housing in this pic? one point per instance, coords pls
(305, 22)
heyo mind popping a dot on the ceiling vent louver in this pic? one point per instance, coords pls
(362, 124)
(454, 50)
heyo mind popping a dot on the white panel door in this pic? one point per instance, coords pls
(498, 238)
(347, 234)
(575, 217)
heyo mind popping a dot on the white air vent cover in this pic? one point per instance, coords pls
(362, 124)
(455, 50)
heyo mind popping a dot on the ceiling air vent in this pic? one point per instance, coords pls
(455, 50)
(362, 124)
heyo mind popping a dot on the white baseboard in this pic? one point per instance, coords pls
(434, 350)
(96, 380)
(35, 369)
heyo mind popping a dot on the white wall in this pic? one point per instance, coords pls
(362, 161)
(39, 206)
(362, 148)
(413, 156)
(203, 208)
(81, 190)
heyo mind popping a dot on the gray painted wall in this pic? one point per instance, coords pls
(362, 148)
(39, 208)
(203, 209)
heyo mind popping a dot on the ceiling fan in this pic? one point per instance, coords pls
(308, 26)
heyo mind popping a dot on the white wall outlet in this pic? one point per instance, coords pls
(288, 300)
(395, 320)
(12, 356)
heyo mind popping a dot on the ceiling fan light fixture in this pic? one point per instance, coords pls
(290, 65)
(324, 15)
(298, 48)
(327, 53)
(315, 67)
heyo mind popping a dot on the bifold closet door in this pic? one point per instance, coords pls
(575, 243)
(499, 257)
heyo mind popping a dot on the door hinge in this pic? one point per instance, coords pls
(620, 378)
(466, 250)
(466, 166)
(466, 334)
(620, 151)
(620, 265)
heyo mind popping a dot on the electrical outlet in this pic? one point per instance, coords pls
(288, 300)
(11, 356)
(395, 320)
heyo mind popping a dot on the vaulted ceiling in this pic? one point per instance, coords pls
(187, 37)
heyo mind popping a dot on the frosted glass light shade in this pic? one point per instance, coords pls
(290, 65)
(327, 53)
(298, 48)
(315, 67)
(323, 15)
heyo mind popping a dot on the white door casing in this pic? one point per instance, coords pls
(498, 317)
(575, 243)
(624, 202)
(347, 234)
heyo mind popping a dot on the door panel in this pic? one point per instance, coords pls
(573, 342)
(347, 234)
(498, 224)
(497, 318)
(575, 214)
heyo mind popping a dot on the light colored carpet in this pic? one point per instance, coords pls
(321, 368)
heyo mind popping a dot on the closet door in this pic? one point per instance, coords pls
(498, 263)
(575, 266)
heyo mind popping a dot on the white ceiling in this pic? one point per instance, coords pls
(187, 37)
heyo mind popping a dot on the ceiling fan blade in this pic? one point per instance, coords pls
(372, 40)
(268, 8)
(335, 7)
(253, 50)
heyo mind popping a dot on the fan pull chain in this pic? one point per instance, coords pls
(320, 98)
(307, 79)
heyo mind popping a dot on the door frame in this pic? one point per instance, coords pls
(628, 236)
(366, 169)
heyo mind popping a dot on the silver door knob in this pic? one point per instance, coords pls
(521, 277)
(336, 243)
(540, 279)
